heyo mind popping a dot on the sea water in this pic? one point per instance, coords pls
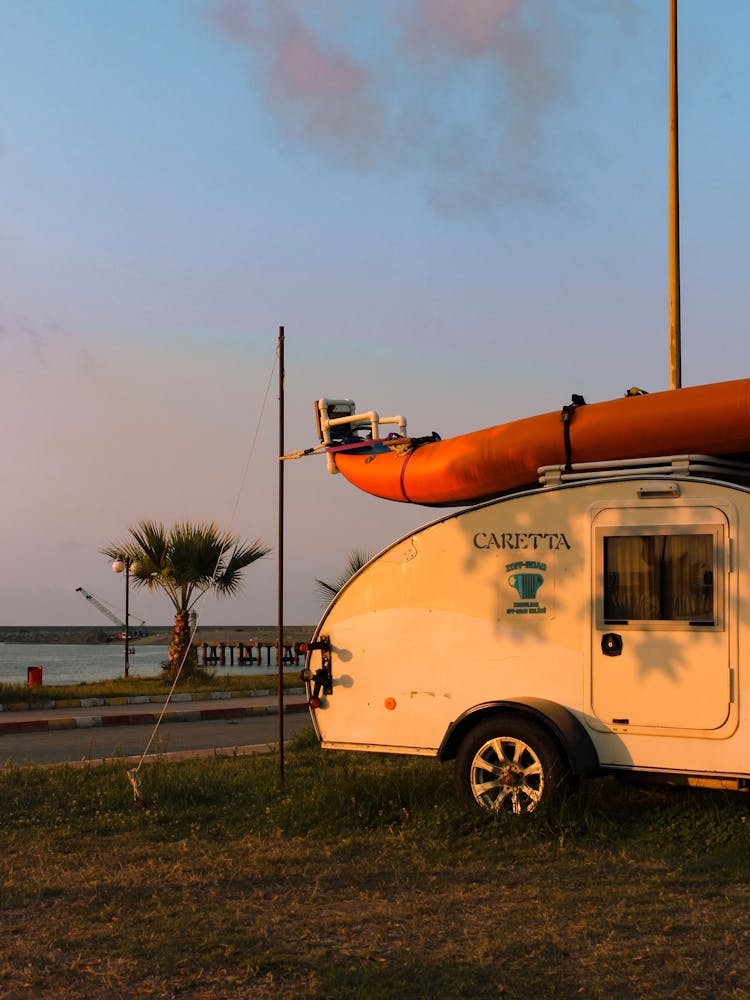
(69, 664)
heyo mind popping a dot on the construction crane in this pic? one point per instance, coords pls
(108, 612)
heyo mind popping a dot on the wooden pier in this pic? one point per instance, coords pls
(248, 653)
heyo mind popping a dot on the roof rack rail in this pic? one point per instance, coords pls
(665, 465)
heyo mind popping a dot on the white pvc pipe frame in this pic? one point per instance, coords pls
(371, 417)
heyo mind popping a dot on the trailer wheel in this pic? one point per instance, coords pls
(508, 765)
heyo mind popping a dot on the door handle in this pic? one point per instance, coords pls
(611, 644)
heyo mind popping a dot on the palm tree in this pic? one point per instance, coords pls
(354, 563)
(185, 561)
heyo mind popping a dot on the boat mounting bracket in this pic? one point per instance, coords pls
(338, 423)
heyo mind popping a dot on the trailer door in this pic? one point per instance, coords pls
(661, 628)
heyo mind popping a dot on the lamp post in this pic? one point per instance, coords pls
(127, 564)
(675, 335)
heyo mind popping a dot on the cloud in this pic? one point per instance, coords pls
(315, 88)
(463, 95)
(22, 341)
(234, 18)
(305, 71)
(324, 92)
(467, 29)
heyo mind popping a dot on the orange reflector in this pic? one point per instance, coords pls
(314, 703)
(390, 704)
(303, 648)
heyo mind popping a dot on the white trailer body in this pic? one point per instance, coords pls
(589, 627)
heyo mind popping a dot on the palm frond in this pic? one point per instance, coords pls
(229, 574)
(186, 559)
(356, 559)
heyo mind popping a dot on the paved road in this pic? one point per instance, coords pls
(228, 735)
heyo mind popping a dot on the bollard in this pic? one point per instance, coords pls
(34, 676)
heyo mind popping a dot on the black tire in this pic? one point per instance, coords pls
(508, 764)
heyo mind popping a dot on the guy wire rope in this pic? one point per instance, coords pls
(132, 774)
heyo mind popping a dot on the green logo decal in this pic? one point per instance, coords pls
(526, 578)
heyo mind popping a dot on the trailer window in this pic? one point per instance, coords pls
(659, 577)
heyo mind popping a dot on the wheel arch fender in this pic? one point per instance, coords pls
(567, 730)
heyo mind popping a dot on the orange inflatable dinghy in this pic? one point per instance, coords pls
(709, 419)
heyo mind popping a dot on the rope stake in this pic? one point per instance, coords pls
(137, 796)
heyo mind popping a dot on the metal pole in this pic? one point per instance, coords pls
(280, 648)
(127, 617)
(675, 333)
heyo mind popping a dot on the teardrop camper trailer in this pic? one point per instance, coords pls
(594, 622)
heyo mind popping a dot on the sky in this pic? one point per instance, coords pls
(457, 210)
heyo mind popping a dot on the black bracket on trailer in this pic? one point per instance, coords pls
(323, 677)
(566, 415)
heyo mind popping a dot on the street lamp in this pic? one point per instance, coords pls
(127, 564)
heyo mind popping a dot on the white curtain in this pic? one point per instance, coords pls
(659, 578)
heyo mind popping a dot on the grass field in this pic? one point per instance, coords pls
(20, 694)
(362, 879)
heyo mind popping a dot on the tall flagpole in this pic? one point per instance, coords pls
(675, 333)
(280, 646)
